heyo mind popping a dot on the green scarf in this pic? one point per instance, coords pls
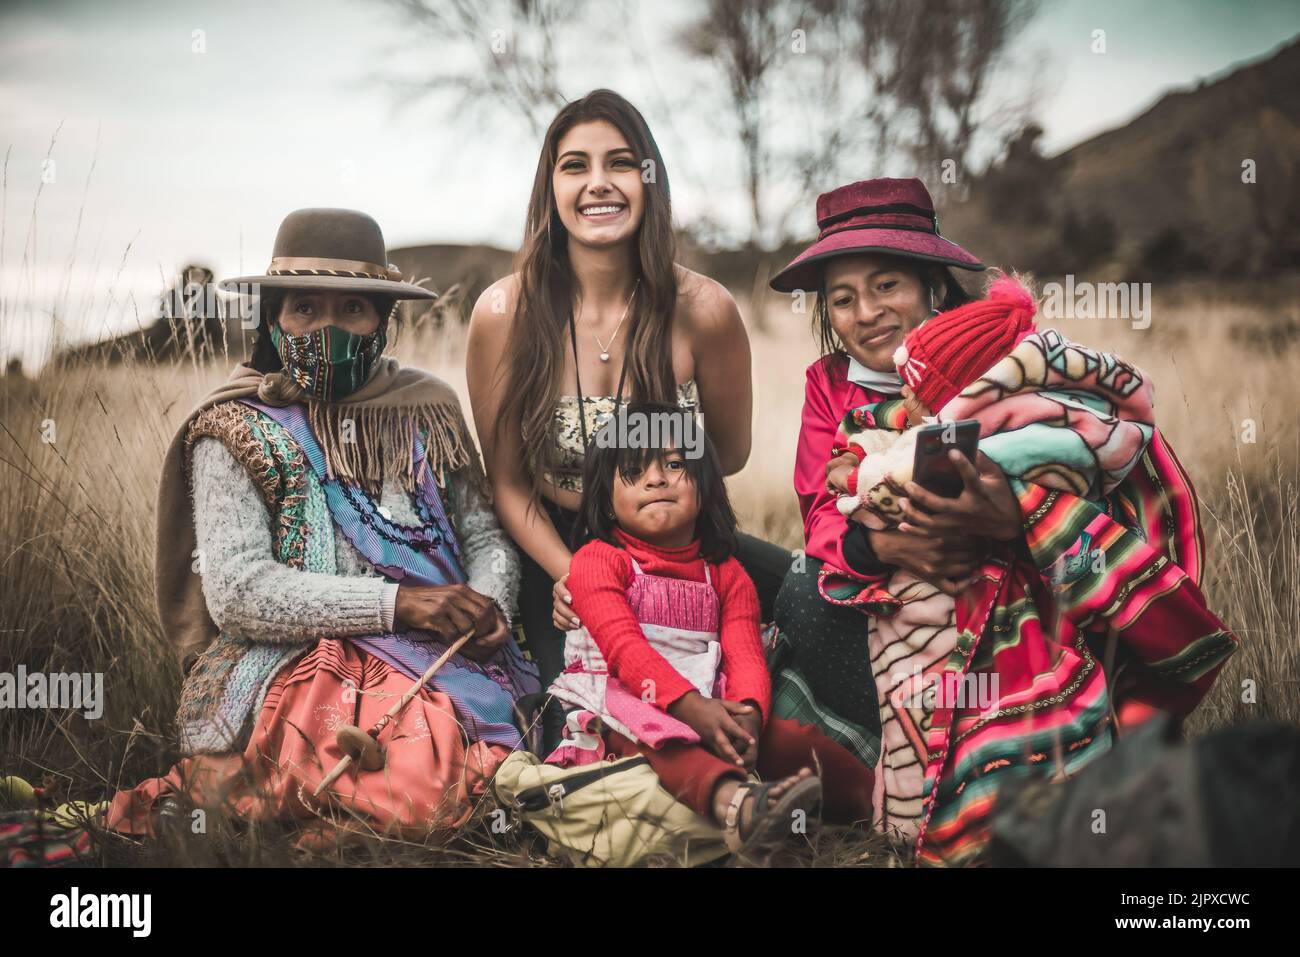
(330, 363)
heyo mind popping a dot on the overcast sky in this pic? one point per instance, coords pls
(199, 155)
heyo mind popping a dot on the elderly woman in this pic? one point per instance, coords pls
(323, 536)
(1074, 619)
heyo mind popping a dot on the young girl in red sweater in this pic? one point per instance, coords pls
(668, 660)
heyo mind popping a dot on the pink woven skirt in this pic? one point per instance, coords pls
(431, 776)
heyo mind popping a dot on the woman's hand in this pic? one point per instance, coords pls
(562, 614)
(484, 645)
(716, 723)
(947, 561)
(986, 507)
(446, 610)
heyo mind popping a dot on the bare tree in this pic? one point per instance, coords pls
(740, 37)
(883, 82)
(827, 139)
(513, 52)
(928, 67)
(818, 89)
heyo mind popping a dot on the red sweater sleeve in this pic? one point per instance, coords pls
(599, 576)
(823, 525)
(743, 661)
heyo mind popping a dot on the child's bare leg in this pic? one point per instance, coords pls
(726, 790)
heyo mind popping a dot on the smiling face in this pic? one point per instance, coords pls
(657, 502)
(599, 194)
(873, 302)
(305, 311)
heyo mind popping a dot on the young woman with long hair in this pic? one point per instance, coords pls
(597, 312)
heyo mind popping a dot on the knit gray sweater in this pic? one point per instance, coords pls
(251, 595)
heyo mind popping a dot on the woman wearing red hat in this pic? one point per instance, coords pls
(879, 269)
(1042, 581)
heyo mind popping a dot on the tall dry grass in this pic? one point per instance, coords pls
(81, 446)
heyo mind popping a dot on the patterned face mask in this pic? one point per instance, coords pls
(330, 363)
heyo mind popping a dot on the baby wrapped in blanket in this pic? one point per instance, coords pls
(1050, 411)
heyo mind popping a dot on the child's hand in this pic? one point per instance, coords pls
(715, 722)
(845, 460)
(837, 479)
(751, 719)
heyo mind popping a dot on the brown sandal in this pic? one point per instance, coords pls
(769, 824)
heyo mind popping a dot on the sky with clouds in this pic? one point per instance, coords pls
(163, 154)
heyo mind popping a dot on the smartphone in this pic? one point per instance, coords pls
(932, 469)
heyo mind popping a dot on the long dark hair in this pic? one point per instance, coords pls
(265, 359)
(608, 462)
(534, 357)
(930, 276)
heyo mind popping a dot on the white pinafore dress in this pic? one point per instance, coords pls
(680, 619)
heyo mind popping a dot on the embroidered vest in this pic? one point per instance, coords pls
(228, 681)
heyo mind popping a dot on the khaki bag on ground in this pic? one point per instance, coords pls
(610, 814)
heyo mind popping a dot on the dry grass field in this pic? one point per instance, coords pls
(76, 532)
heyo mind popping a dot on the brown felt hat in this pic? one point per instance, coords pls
(334, 250)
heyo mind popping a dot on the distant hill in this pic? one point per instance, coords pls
(190, 321)
(461, 273)
(458, 273)
(1162, 194)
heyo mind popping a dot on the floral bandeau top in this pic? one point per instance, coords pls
(565, 433)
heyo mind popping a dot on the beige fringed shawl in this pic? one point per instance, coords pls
(363, 442)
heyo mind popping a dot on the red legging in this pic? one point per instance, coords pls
(690, 773)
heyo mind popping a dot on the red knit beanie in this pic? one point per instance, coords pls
(948, 352)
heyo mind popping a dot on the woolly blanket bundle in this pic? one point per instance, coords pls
(1006, 677)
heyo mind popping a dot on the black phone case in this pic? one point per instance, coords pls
(931, 468)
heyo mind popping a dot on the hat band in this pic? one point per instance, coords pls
(347, 268)
(868, 217)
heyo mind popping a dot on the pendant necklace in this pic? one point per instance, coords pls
(604, 349)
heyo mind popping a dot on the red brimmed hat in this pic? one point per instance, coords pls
(891, 216)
